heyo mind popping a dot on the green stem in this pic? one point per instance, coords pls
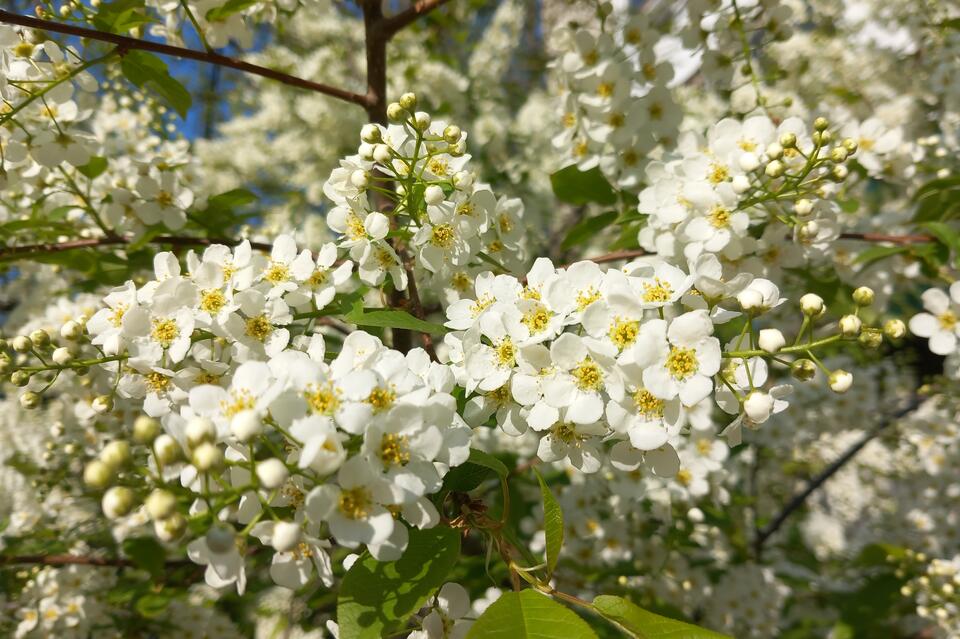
(789, 349)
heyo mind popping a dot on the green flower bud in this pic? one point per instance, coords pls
(803, 370)
(894, 328)
(21, 344)
(408, 101)
(821, 123)
(97, 475)
(863, 296)
(30, 400)
(145, 429)
(20, 378)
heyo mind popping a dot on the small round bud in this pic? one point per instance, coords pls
(740, 184)
(286, 536)
(246, 425)
(408, 101)
(850, 325)
(116, 454)
(381, 153)
(803, 370)
(803, 207)
(750, 299)
(838, 154)
(371, 133)
(839, 173)
(207, 457)
(421, 120)
(199, 430)
(272, 473)
(758, 406)
(823, 138)
(171, 528)
(840, 381)
(30, 400)
(40, 338)
(604, 9)
(870, 337)
(863, 296)
(821, 123)
(771, 340)
(812, 305)
(145, 429)
(160, 504)
(97, 475)
(396, 113)
(850, 145)
(220, 539)
(788, 140)
(21, 344)
(5, 364)
(463, 180)
(433, 194)
(61, 355)
(774, 151)
(808, 230)
(365, 151)
(749, 161)
(166, 449)
(117, 502)
(452, 134)
(71, 331)
(775, 169)
(102, 404)
(20, 378)
(894, 328)
(360, 179)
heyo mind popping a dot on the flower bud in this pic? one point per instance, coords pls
(199, 430)
(396, 113)
(365, 151)
(840, 381)
(894, 329)
(171, 528)
(20, 378)
(408, 101)
(61, 356)
(850, 325)
(821, 123)
(823, 138)
(381, 153)
(207, 457)
(71, 330)
(803, 370)
(286, 536)
(838, 154)
(788, 140)
(463, 180)
(272, 473)
(749, 161)
(166, 449)
(807, 231)
(774, 151)
(850, 145)
(29, 400)
(360, 179)
(740, 184)
(421, 120)
(246, 425)
(160, 504)
(97, 475)
(774, 169)
(371, 133)
(839, 173)
(803, 207)
(757, 406)
(433, 194)
(145, 429)
(220, 538)
(771, 340)
(102, 404)
(750, 299)
(871, 337)
(452, 134)
(21, 344)
(812, 305)
(863, 296)
(116, 455)
(117, 502)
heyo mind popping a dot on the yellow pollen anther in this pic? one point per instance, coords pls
(240, 400)
(438, 167)
(164, 332)
(381, 399)
(442, 236)
(647, 405)
(394, 449)
(719, 216)
(355, 503)
(506, 353)
(623, 332)
(657, 292)
(586, 297)
(682, 362)
(259, 328)
(588, 375)
(322, 399)
(277, 272)
(948, 320)
(157, 382)
(212, 301)
(536, 319)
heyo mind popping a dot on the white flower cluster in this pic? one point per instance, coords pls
(941, 321)
(937, 593)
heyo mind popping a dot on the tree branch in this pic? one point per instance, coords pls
(390, 26)
(82, 560)
(180, 52)
(893, 239)
(800, 498)
(14, 252)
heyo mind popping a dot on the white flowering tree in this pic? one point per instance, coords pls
(468, 319)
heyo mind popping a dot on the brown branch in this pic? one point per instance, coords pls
(617, 255)
(894, 239)
(800, 498)
(14, 252)
(180, 52)
(83, 560)
(390, 26)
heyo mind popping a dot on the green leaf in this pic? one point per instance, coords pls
(587, 228)
(875, 253)
(153, 604)
(938, 199)
(94, 168)
(388, 318)
(146, 553)
(552, 523)
(529, 615)
(228, 9)
(946, 234)
(572, 185)
(644, 624)
(121, 15)
(479, 467)
(149, 72)
(376, 598)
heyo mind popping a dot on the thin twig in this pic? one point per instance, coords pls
(209, 57)
(83, 560)
(390, 26)
(893, 239)
(15, 252)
